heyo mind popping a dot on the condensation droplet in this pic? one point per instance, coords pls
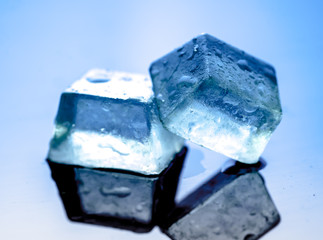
(160, 97)
(120, 192)
(231, 101)
(218, 53)
(182, 53)
(243, 64)
(98, 80)
(196, 46)
(186, 81)
(250, 109)
(154, 71)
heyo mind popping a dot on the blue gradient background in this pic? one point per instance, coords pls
(45, 45)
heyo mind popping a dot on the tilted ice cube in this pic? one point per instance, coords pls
(217, 96)
(109, 120)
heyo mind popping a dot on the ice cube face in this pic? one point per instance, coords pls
(110, 120)
(217, 96)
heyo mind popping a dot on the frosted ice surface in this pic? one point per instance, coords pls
(109, 120)
(217, 96)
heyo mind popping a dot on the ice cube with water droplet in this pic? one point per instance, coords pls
(229, 97)
(109, 119)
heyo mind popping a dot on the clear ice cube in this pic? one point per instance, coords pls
(217, 96)
(110, 120)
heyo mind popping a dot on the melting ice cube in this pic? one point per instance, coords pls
(217, 96)
(109, 120)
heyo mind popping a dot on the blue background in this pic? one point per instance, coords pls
(46, 45)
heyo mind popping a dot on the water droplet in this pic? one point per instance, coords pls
(218, 53)
(98, 80)
(182, 53)
(243, 64)
(160, 97)
(154, 71)
(230, 100)
(196, 46)
(230, 57)
(250, 109)
(117, 191)
(186, 81)
(165, 62)
(102, 130)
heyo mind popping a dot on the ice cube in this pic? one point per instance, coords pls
(117, 198)
(226, 207)
(217, 96)
(110, 120)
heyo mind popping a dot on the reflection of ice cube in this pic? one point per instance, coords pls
(226, 207)
(117, 198)
(109, 119)
(217, 96)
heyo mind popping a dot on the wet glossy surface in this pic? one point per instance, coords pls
(119, 199)
(225, 207)
(233, 204)
(45, 45)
